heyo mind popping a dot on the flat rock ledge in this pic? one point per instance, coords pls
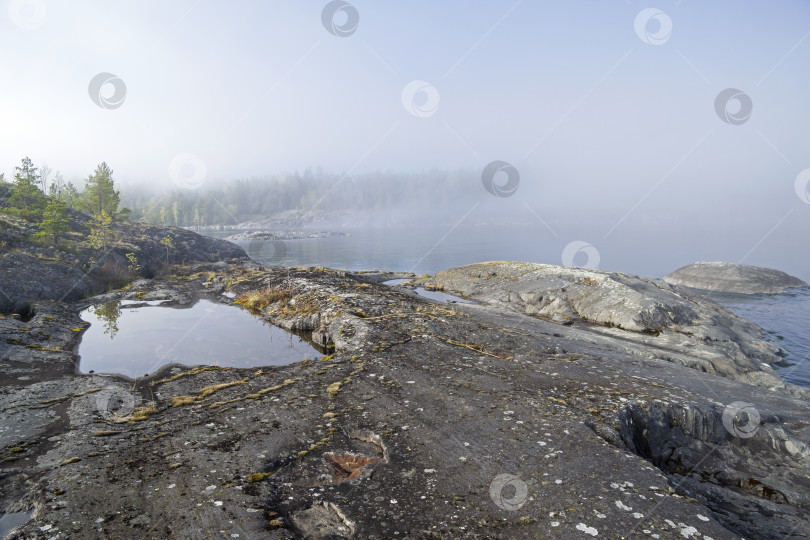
(429, 421)
(643, 316)
(734, 278)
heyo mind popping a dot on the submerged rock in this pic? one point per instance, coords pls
(734, 278)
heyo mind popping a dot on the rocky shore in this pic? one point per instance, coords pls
(564, 403)
(646, 317)
(280, 235)
(734, 278)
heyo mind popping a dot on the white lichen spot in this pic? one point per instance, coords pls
(702, 518)
(689, 532)
(621, 506)
(587, 530)
(638, 515)
(555, 523)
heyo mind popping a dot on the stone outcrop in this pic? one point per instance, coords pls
(429, 421)
(734, 278)
(643, 316)
(71, 270)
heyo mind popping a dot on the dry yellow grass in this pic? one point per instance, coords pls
(180, 401)
(333, 389)
(138, 415)
(208, 390)
(258, 477)
(261, 299)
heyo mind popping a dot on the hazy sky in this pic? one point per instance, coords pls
(612, 123)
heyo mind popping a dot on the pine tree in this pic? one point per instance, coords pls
(55, 222)
(168, 242)
(101, 232)
(70, 196)
(99, 192)
(25, 195)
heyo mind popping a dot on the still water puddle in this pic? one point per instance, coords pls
(136, 341)
(13, 519)
(433, 295)
(441, 297)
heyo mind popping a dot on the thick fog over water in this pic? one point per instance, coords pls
(653, 135)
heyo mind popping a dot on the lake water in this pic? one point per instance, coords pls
(14, 519)
(430, 249)
(787, 318)
(137, 341)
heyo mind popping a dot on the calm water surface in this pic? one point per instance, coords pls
(787, 318)
(137, 341)
(14, 519)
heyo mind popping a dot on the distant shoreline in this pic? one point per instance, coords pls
(268, 236)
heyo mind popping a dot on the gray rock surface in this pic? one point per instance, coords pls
(643, 316)
(734, 278)
(30, 273)
(25, 279)
(428, 421)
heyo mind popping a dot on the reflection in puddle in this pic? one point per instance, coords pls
(137, 341)
(107, 314)
(14, 519)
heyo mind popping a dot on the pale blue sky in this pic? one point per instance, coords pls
(599, 123)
